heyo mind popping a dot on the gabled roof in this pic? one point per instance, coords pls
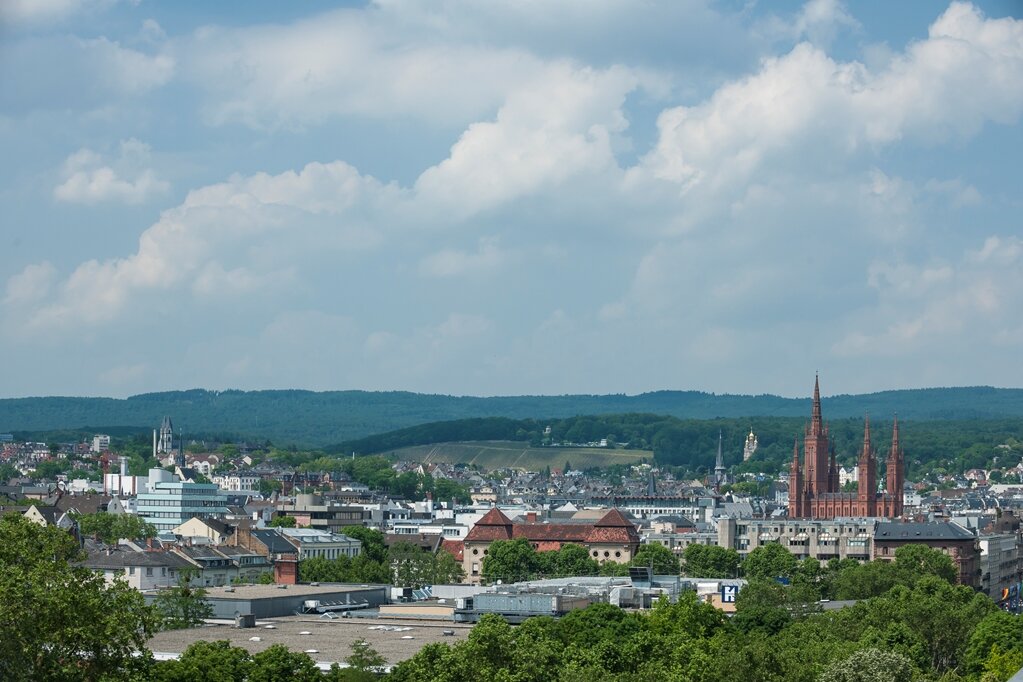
(614, 528)
(613, 519)
(493, 526)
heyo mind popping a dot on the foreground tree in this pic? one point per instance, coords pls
(870, 665)
(206, 661)
(59, 621)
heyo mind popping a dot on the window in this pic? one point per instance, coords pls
(149, 572)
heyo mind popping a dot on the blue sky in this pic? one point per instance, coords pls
(510, 197)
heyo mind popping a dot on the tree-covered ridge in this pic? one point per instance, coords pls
(311, 418)
(944, 446)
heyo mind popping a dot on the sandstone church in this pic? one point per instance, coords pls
(814, 491)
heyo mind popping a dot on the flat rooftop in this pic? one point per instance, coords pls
(270, 591)
(331, 638)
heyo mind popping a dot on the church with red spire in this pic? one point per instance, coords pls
(814, 492)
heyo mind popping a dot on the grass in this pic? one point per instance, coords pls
(500, 454)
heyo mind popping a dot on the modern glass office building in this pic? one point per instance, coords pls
(168, 504)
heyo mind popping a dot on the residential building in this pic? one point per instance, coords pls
(141, 569)
(313, 542)
(957, 542)
(100, 443)
(204, 531)
(817, 538)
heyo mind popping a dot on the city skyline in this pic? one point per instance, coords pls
(507, 199)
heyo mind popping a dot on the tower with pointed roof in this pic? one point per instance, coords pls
(895, 472)
(720, 473)
(814, 489)
(166, 443)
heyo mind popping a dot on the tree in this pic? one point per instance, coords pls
(509, 561)
(769, 561)
(569, 560)
(710, 561)
(182, 606)
(410, 565)
(915, 561)
(61, 621)
(870, 665)
(7, 472)
(280, 663)
(113, 527)
(373, 546)
(206, 661)
(364, 663)
(283, 522)
(662, 559)
(997, 630)
(268, 486)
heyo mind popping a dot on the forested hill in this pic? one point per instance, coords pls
(310, 418)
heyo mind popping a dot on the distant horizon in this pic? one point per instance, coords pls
(824, 394)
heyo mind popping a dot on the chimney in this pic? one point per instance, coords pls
(149, 544)
(531, 517)
(124, 469)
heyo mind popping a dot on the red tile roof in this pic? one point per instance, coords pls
(493, 526)
(612, 528)
(455, 547)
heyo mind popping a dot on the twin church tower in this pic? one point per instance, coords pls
(814, 491)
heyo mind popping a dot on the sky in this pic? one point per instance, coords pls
(504, 198)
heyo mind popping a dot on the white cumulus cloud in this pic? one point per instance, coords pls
(89, 178)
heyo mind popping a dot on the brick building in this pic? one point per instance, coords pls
(814, 490)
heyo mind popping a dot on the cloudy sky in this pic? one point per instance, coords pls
(589, 196)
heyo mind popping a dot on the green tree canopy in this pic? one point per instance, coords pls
(710, 561)
(662, 559)
(61, 621)
(769, 561)
(182, 606)
(113, 527)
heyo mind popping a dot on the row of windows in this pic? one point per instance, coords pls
(180, 502)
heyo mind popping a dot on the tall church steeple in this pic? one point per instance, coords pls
(816, 421)
(796, 492)
(895, 476)
(720, 474)
(867, 483)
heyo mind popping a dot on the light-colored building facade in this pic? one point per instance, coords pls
(312, 542)
(612, 538)
(822, 539)
(169, 504)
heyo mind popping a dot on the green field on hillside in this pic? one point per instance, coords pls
(498, 454)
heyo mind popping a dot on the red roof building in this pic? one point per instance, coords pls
(612, 538)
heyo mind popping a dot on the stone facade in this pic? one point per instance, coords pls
(612, 538)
